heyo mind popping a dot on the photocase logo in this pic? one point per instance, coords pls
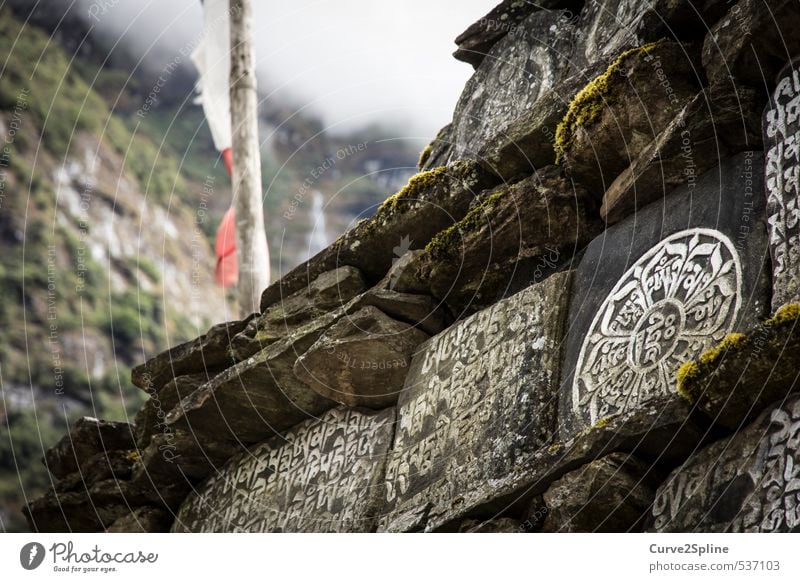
(31, 555)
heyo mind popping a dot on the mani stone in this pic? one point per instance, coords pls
(782, 168)
(659, 288)
(504, 19)
(361, 360)
(518, 70)
(749, 482)
(479, 400)
(751, 43)
(611, 494)
(323, 475)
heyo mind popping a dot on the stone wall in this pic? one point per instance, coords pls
(580, 316)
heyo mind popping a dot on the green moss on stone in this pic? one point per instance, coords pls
(590, 101)
(424, 155)
(416, 187)
(445, 243)
(688, 372)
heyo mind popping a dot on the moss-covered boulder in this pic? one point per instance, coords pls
(736, 380)
(525, 230)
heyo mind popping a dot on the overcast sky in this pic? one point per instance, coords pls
(354, 61)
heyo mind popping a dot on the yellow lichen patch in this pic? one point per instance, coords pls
(603, 422)
(133, 456)
(416, 186)
(731, 341)
(590, 101)
(686, 373)
(554, 448)
(787, 314)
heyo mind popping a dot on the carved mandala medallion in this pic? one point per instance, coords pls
(680, 298)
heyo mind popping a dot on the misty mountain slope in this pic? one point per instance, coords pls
(98, 248)
(107, 218)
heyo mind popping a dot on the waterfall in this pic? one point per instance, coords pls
(318, 236)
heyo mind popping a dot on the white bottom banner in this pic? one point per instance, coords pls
(356, 557)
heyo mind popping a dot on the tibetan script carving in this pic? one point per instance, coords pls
(323, 475)
(679, 298)
(479, 399)
(747, 483)
(782, 175)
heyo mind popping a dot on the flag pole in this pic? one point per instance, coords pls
(251, 240)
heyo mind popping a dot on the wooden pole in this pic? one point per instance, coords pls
(251, 239)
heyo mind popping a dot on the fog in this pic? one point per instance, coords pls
(353, 62)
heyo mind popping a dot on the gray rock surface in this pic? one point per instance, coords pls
(751, 43)
(328, 292)
(88, 438)
(207, 354)
(611, 494)
(256, 398)
(361, 360)
(143, 520)
(710, 128)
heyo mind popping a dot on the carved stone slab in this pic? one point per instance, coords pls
(479, 400)
(782, 181)
(518, 70)
(324, 475)
(660, 288)
(747, 483)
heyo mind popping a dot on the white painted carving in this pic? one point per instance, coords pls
(782, 174)
(321, 476)
(680, 297)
